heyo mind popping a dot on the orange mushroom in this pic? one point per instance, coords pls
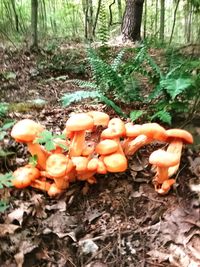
(163, 160)
(57, 167)
(106, 146)
(23, 176)
(100, 118)
(26, 131)
(78, 124)
(176, 138)
(115, 162)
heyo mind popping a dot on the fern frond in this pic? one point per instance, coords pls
(67, 99)
(103, 24)
(84, 84)
(117, 61)
(163, 116)
(136, 114)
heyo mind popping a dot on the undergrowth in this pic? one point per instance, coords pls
(174, 85)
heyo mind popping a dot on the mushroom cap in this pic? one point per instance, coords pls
(154, 131)
(162, 158)
(106, 146)
(79, 122)
(26, 130)
(100, 118)
(115, 162)
(132, 130)
(80, 163)
(184, 135)
(23, 176)
(56, 165)
(118, 125)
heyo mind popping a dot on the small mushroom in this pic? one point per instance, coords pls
(163, 160)
(106, 146)
(115, 162)
(78, 124)
(26, 131)
(23, 176)
(57, 167)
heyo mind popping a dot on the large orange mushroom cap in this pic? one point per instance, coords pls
(154, 131)
(26, 130)
(180, 134)
(79, 122)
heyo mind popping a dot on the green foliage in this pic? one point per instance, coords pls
(136, 114)
(48, 140)
(3, 206)
(4, 128)
(103, 32)
(175, 90)
(3, 109)
(67, 99)
(6, 180)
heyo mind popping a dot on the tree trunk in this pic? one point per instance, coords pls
(174, 21)
(132, 20)
(34, 22)
(145, 19)
(119, 5)
(162, 20)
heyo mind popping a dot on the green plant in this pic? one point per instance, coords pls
(48, 140)
(6, 180)
(174, 89)
(108, 84)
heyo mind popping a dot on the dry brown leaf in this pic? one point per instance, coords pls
(6, 229)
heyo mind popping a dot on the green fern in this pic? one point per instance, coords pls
(103, 32)
(68, 99)
(118, 60)
(136, 114)
(163, 116)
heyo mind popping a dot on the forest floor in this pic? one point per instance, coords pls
(120, 221)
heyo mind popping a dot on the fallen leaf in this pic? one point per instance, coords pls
(7, 229)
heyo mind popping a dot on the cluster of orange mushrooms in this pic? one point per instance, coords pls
(90, 152)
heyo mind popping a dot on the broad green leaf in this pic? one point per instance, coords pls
(176, 86)
(7, 125)
(33, 160)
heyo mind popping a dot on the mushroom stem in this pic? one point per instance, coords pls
(165, 187)
(161, 175)
(135, 144)
(175, 147)
(77, 144)
(42, 155)
(41, 185)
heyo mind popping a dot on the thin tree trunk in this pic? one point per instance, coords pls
(174, 21)
(34, 22)
(156, 19)
(145, 18)
(132, 19)
(162, 20)
(119, 5)
(90, 20)
(96, 17)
